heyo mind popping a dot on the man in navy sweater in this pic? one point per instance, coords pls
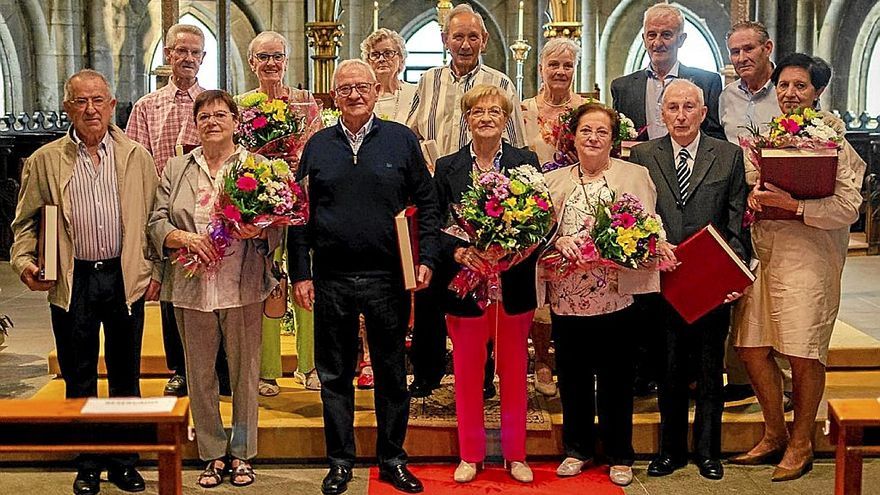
(360, 173)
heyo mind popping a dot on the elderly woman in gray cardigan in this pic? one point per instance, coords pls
(223, 306)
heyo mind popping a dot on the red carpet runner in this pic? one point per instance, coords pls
(494, 480)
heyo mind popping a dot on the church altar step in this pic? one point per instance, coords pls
(849, 348)
(291, 425)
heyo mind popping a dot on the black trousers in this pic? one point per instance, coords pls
(385, 306)
(98, 297)
(428, 351)
(692, 351)
(174, 356)
(596, 347)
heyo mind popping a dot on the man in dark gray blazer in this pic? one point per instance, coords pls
(699, 180)
(638, 95)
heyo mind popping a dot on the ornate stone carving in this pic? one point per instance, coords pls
(324, 38)
(563, 20)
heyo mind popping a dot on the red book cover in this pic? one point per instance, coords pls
(406, 226)
(709, 270)
(805, 174)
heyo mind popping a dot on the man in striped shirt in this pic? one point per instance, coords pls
(436, 112)
(104, 185)
(162, 121)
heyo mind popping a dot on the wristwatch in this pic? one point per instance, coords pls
(800, 208)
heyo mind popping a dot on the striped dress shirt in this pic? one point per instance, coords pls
(94, 199)
(436, 112)
(163, 119)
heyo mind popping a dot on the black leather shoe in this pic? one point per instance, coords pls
(710, 468)
(787, 402)
(127, 479)
(401, 478)
(736, 392)
(489, 391)
(176, 386)
(87, 482)
(336, 481)
(420, 389)
(664, 464)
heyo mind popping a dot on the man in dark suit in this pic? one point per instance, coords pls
(638, 95)
(699, 180)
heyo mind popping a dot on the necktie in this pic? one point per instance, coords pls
(683, 172)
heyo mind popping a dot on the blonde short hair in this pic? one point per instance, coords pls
(380, 35)
(664, 9)
(268, 36)
(481, 91)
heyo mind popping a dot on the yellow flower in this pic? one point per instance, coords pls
(511, 202)
(797, 118)
(249, 174)
(652, 226)
(810, 113)
(626, 241)
(522, 215)
(265, 174)
(280, 168)
(250, 163)
(508, 216)
(517, 187)
(280, 116)
(252, 99)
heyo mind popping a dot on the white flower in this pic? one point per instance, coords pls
(627, 123)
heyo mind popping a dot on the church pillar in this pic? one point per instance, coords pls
(170, 17)
(588, 44)
(564, 22)
(324, 34)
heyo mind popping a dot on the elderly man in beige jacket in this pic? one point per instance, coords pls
(104, 185)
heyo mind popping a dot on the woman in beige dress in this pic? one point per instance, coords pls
(557, 65)
(791, 309)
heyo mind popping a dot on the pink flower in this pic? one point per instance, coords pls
(260, 122)
(246, 184)
(624, 220)
(588, 250)
(543, 205)
(494, 208)
(790, 126)
(652, 244)
(232, 213)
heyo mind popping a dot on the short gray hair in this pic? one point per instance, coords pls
(664, 9)
(268, 36)
(380, 35)
(684, 83)
(84, 74)
(352, 62)
(463, 8)
(173, 31)
(561, 44)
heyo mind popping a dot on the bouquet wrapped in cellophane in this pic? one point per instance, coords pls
(277, 128)
(619, 232)
(805, 128)
(505, 217)
(259, 193)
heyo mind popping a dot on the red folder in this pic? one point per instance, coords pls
(805, 174)
(406, 225)
(709, 271)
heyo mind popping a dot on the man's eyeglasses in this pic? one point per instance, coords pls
(386, 54)
(494, 112)
(264, 57)
(361, 88)
(81, 103)
(184, 53)
(204, 117)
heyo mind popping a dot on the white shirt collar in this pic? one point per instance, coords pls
(692, 147)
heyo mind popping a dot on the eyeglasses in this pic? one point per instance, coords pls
(599, 133)
(494, 112)
(361, 88)
(184, 53)
(81, 103)
(264, 57)
(386, 54)
(204, 117)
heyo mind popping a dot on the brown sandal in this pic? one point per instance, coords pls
(212, 476)
(244, 470)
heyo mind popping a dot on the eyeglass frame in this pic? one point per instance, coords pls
(185, 53)
(276, 56)
(82, 102)
(494, 112)
(388, 55)
(345, 91)
(204, 117)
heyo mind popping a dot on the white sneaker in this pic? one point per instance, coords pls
(621, 475)
(571, 466)
(465, 472)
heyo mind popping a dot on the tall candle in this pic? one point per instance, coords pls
(520, 30)
(376, 16)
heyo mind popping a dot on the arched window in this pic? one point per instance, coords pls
(424, 50)
(699, 49)
(208, 70)
(872, 100)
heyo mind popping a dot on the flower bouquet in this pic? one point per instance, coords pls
(263, 194)
(506, 217)
(797, 152)
(619, 232)
(277, 128)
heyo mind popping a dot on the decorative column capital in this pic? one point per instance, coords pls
(564, 21)
(443, 8)
(324, 37)
(563, 29)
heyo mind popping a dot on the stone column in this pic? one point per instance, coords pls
(170, 17)
(766, 13)
(806, 26)
(324, 37)
(588, 45)
(739, 11)
(224, 12)
(564, 22)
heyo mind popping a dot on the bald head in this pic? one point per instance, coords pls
(683, 110)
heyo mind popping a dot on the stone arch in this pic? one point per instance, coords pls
(868, 36)
(46, 86)
(12, 83)
(840, 36)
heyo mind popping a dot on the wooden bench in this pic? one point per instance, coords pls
(38, 426)
(848, 419)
